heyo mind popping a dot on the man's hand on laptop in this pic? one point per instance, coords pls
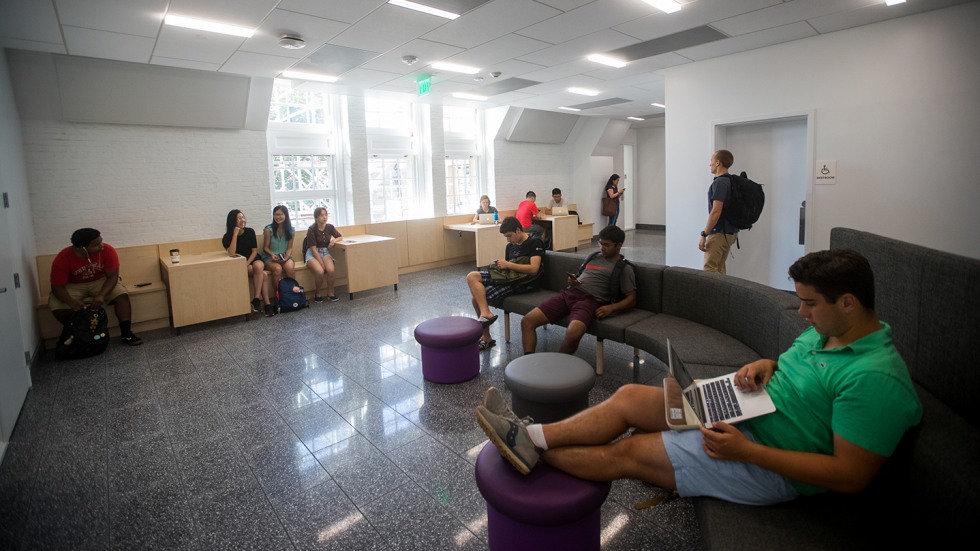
(752, 376)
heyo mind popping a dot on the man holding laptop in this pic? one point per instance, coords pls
(842, 395)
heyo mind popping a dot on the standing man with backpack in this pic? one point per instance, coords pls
(719, 234)
(89, 269)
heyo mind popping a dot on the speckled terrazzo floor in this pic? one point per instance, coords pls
(310, 430)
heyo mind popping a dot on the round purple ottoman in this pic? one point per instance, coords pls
(450, 348)
(545, 509)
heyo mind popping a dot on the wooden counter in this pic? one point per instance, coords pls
(490, 243)
(372, 262)
(564, 231)
(205, 287)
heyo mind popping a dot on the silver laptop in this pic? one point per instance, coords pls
(691, 403)
(486, 218)
(559, 211)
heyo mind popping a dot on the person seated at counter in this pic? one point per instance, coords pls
(88, 270)
(485, 208)
(557, 200)
(320, 237)
(527, 213)
(278, 248)
(240, 239)
(490, 285)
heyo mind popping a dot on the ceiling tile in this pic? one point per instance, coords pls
(184, 63)
(257, 64)
(192, 45)
(587, 19)
(785, 13)
(245, 13)
(387, 27)
(578, 48)
(335, 60)
(500, 49)
(426, 51)
(750, 41)
(29, 20)
(315, 31)
(491, 21)
(694, 14)
(347, 11)
(106, 45)
(136, 17)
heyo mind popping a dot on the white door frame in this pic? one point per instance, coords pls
(718, 140)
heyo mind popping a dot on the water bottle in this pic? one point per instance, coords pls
(495, 221)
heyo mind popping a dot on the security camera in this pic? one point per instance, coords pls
(495, 74)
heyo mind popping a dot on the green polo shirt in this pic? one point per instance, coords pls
(861, 392)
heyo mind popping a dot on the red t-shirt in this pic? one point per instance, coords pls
(69, 268)
(525, 212)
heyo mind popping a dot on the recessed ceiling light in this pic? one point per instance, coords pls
(584, 91)
(635, 118)
(302, 75)
(606, 60)
(455, 68)
(462, 95)
(666, 6)
(660, 105)
(423, 8)
(210, 26)
(569, 109)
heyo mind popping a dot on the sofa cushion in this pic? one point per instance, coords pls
(695, 343)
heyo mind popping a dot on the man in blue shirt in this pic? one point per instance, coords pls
(718, 234)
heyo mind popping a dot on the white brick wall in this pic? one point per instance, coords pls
(142, 184)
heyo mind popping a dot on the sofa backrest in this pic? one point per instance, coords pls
(929, 299)
(753, 313)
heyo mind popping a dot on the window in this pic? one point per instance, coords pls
(396, 189)
(391, 181)
(464, 187)
(303, 161)
(303, 183)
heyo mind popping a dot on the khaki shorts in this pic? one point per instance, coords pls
(82, 291)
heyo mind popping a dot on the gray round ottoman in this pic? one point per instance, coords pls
(549, 386)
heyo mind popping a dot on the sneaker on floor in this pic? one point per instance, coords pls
(317, 299)
(510, 438)
(131, 339)
(269, 311)
(256, 306)
(333, 298)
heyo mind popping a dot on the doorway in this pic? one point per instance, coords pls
(777, 153)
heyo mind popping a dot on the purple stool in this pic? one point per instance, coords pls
(450, 348)
(546, 509)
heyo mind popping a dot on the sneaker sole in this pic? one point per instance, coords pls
(502, 447)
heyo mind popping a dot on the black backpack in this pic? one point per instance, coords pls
(614, 288)
(290, 295)
(745, 202)
(86, 335)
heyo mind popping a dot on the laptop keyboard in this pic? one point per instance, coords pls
(721, 400)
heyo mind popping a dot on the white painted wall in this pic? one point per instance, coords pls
(650, 177)
(896, 107)
(16, 222)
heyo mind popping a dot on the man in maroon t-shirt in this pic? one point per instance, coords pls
(89, 269)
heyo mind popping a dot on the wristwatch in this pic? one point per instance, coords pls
(703, 234)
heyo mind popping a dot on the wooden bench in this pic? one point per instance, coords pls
(137, 265)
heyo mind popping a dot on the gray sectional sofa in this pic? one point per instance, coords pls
(930, 489)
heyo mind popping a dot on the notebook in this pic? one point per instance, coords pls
(559, 211)
(486, 218)
(691, 403)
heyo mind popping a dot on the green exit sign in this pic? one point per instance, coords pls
(424, 85)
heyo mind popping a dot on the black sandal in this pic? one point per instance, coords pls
(486, 345)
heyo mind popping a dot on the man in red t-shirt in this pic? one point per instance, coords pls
(527, 211)
(89, 269)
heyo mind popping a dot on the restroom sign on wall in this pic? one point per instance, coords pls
(826, 172)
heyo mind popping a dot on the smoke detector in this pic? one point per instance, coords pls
(409, 59)
(292, 42)
(495, 74)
